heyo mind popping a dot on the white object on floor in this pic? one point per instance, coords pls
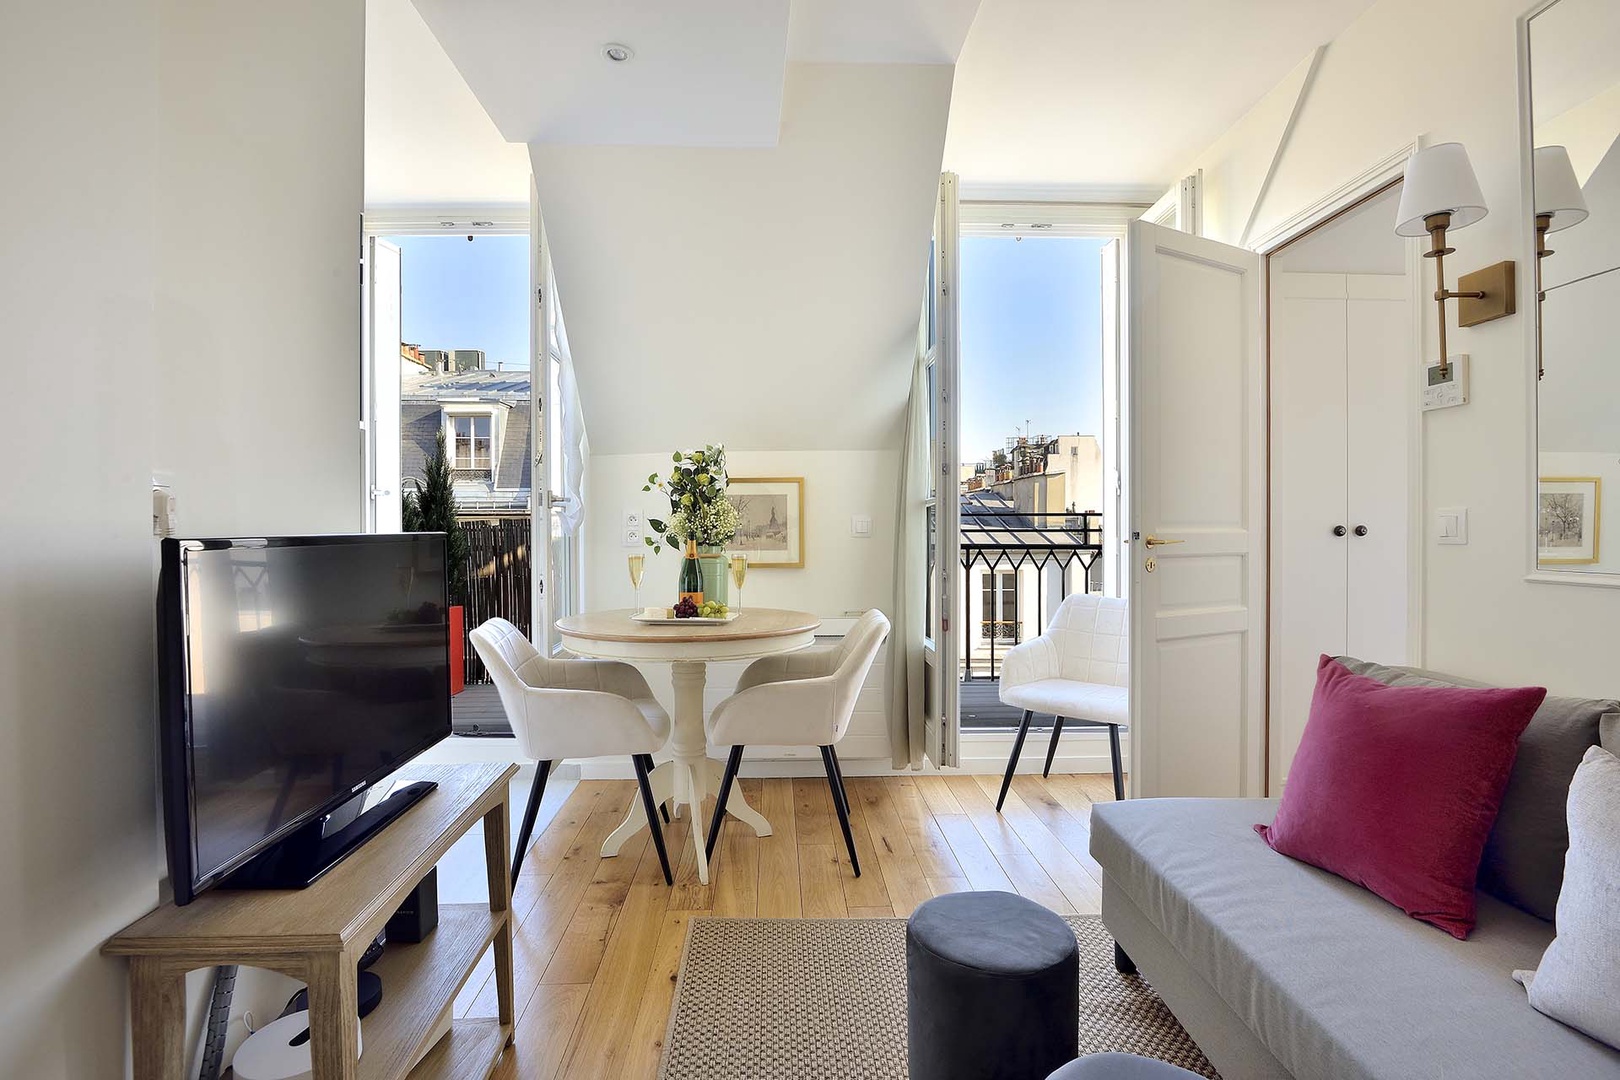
(271, 1054)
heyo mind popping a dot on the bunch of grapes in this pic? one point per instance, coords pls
(712, 609)
(686, 608)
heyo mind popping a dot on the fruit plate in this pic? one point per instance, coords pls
(696, 620)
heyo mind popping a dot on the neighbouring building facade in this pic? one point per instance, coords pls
(485, 419)
(1031, 523)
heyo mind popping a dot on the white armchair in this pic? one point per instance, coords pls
(805, 698)
(1077, 672)
(572, 709)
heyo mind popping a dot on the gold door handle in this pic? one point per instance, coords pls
(1154, 541)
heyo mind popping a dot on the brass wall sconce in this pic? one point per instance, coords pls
(1560, 203)
(1441, 193)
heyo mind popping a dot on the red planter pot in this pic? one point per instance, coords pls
(458, 649)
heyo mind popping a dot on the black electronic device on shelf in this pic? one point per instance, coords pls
(295, 674)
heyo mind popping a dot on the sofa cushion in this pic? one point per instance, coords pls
(1578, 981)
(1396, 787)
(1334, 981)
(1524, 856)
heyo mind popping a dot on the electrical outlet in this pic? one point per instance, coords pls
(632, 529)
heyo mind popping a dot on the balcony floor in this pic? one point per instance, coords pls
(981, 708)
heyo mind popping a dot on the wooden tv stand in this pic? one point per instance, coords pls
(316, 935)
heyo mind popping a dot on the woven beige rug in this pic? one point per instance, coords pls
(796, 999)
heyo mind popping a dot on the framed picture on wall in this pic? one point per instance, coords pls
(1567, 510)
(770, 520)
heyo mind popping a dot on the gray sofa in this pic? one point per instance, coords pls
(1279, 969)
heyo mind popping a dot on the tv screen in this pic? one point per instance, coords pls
(296, 671)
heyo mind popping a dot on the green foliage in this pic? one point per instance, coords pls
(696, 487)
(432, 508)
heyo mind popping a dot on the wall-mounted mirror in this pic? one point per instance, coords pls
(1574, 64)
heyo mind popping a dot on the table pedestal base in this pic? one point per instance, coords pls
(690, 777)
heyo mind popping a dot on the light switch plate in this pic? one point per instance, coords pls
(860, 525)
(1453, 522)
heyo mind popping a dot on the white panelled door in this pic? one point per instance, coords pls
(383, 269)
(1197, 498)
(1342, 373)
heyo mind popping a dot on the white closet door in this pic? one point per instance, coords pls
(1379, 335)
(1309, 464)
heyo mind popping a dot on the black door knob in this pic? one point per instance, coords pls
(1361, 530)
(1339, 530)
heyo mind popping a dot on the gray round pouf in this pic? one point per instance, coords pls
(992, 988)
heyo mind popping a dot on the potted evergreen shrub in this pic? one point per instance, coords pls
(432, 508)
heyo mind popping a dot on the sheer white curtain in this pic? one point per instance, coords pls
(911, 575)
(575, 448)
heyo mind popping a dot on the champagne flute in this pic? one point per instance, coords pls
(739, 572)
(638, 567)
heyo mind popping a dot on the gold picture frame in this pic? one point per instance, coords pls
(770, 521)
(1567, 531)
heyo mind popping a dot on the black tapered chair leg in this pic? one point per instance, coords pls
(733, 760)
(835, 784)
(1012, 762)
(663, 808)
(1119, 772)
(1051, 751)
(657, 830)
(530, 812)
(1122, 961)
(838, 771)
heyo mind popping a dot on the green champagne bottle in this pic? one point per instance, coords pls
(691, 584)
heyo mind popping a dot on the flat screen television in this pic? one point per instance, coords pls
(295, 672)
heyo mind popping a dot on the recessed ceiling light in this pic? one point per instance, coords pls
(615, 53)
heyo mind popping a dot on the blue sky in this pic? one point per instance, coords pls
(460, 295)
(1031, 339)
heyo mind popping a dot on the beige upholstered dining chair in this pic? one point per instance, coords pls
(1077, 671)
(803, 698)
(573, 709)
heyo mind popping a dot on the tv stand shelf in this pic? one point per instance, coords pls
(316, 935)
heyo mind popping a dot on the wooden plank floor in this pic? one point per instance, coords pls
(599, 940)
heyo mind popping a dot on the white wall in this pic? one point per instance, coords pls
(180, 232)
(760, 297)
(842, 574)
(80, 848)
(260, 140)
(1382, 82)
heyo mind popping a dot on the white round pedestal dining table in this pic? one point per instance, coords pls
(690, 775)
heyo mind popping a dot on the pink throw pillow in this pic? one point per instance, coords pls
(1396, 787)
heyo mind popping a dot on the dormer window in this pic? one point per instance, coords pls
(472, 443)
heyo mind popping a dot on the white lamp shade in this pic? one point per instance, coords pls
(1558, 192)
(1439, 180)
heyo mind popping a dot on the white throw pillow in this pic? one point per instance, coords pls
(1578, 982)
